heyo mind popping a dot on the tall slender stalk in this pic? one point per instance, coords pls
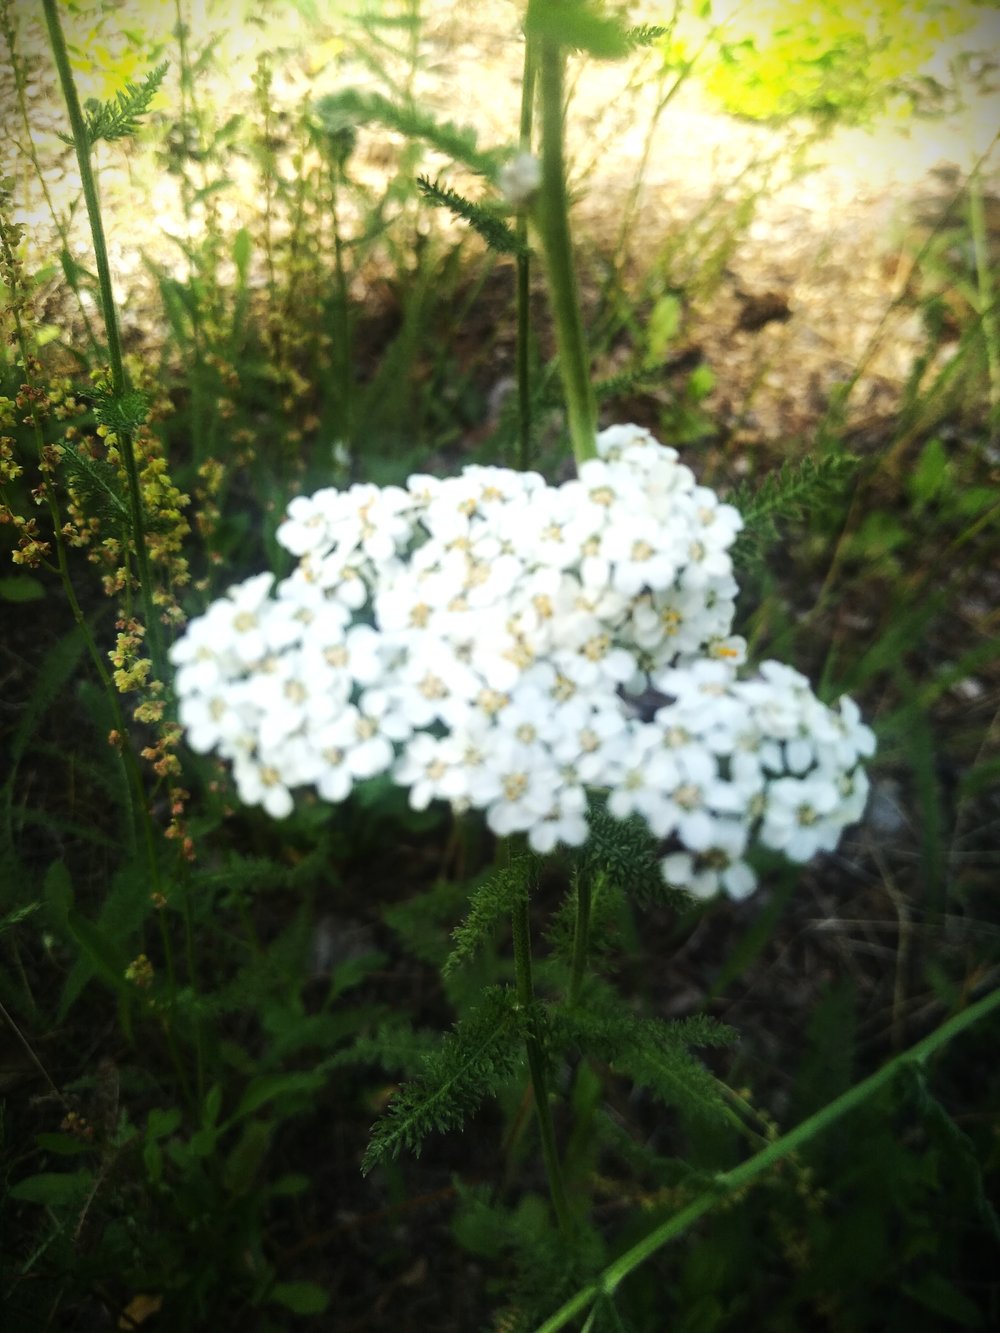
(536, 1062)
(119, 380)
(726, 1183)
(341, 324)
(120, 387)
(551, 214)
(524, 272)
(7, 26)
(581, 934)
(987, 303)
(189, 118)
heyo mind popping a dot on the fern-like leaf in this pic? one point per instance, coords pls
(654, 1054)
(422, 922)
(490, 903)
(98, 486)
(645, 34)
(791, 493)
(471, 1063)
(627, 381)
(625, 853)
(364, 108)
(494, 231)
(121, 412)
(394, 1047)
(545, 1266)
(121, 118)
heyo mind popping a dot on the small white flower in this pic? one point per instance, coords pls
(307, 524)
(717, 869)
(218, 719)
(423, 767)
(797, 817)
(367, 752)
(501, 643)
(261, 784)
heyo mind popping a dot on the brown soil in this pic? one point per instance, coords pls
(795, 256)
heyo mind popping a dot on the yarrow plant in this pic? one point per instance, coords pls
(558, 661)
(510, 646)
(557, 657)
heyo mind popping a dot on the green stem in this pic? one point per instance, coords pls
(7, 25)
(536, 1062)
(986, 306)
(109, 311)
(134, 791)
(189, 118)
(581, 936)
(524, 274)
(199, 1041)
(727, 1183)
(551, 214)
(342, 325)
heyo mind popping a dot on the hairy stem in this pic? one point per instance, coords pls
(551, 212)
(986, 305)
(536, 1062)
(524, 273)
(581, 935)
(727, 1183)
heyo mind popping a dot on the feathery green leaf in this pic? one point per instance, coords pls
(654, 1054)
(645, 34)
(120, 119)
(791, 492)
(99, 487)
(490, 903)
(494, 231)
(470, 1064)
(624, 851)
(363, 108)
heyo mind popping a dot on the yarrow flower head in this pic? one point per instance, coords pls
(515, 647)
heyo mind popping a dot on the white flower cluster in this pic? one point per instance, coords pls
(494, 641)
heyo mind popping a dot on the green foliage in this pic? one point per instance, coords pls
(582, 25)
(365, 108)
(53, 673)
(201, 1137)
(494, 231)
(394, 1047)
(422, 921)
(652, 1054)
(100, 487)
(490, 903)
(830, 61)
(21, 588)
(122, 117)
(789, 493)
(470, 1064)
(646, 34)
(853, 1224)
(538, 1266)
(124, 412)
(623, 851)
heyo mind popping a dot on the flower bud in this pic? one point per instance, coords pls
(520, 178)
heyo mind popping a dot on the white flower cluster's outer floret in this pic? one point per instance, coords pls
(488, 640)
